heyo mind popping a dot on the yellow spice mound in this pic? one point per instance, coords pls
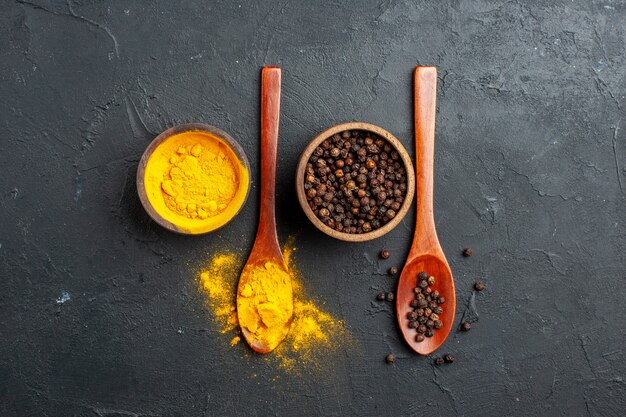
(315, 339)
(195, 181)
(265, 303)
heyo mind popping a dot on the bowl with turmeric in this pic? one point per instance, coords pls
(193, 178)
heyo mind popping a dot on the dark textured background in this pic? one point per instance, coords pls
(530, 171)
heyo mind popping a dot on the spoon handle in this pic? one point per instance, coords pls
(425, 96)
(270, 117)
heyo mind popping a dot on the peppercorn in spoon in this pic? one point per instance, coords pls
(264, 294)
(426, 269)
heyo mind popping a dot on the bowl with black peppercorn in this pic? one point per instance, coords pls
(355, 181)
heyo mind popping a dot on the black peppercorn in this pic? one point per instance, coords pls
(414, 303)
(423, 284)
(419, 338)
(467, 252)
(413, 324)
(465, 326)
(391, 358)
(429, 332)
(389, 296)
(438, 324)
(439, 361)
(421, 328)
(385, 254)
(449, 358)
(380, 296)
(393, 270)
(479, 285)
(441, 300)
(422, 275)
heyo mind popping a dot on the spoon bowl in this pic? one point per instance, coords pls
(438, 268)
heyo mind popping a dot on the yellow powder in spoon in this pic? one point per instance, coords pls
(315, 337)
(265, 303)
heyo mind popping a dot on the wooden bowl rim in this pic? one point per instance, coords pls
(394, 142)
(162, 137)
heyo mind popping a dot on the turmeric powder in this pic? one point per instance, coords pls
(315, 338)
(265, 303)
(195, 181)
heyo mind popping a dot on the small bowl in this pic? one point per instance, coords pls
(394, 142)
(215, 134)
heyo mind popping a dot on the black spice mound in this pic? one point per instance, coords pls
(355, 182)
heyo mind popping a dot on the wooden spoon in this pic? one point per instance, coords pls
(426, 253)
(266, 248)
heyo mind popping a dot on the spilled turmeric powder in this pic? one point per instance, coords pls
(315, 337)
(195, 181)
(265, 304)
(215, 280)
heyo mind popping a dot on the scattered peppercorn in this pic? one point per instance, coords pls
(449, 358)
(466, 326)
(385, 254)
(479, 285)
(391, 358)
(393, 270)
(381, 296)
(467, 252)
(389, 296)
(360, 178)
(439, 361)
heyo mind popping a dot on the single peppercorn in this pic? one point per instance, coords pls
(467, 252)
(449, 358)
(385, 254)
(441, 300)
(389, 296)
(466, 326)
(413, 324)
(381, 296)
(414, 303)
(422, 275)
(423, 284)
(391, 358)
(479, 285)
(431, 280)
(393, 270)
(438, 324)
(419, 338)
(429, 332)
(439, 361)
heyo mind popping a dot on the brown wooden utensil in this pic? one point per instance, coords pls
(426, 253)
(266, 247)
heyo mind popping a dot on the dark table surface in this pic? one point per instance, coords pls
(529, 171)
